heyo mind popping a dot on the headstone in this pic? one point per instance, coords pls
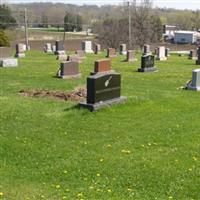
(69, 69)
(111, 53)
(146, 49)
(102, 66)
(193, 55)
(103, 89)
(147, 64)
(60, 47)
(130, 56)
(97, 48)
(167, 52)
(20, 53)
(74, 58)
(195, 83)
(161, 53)
(156, 51)
(87, 46)
(48, 48)
(54, 49)
(123, 49)
(198, 57)
(8, 62)
(80, 53)
(62, 57)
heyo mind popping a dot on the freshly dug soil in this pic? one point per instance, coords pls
(78, 94)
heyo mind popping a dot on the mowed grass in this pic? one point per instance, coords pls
(146, 149)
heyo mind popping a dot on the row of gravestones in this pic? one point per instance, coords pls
(13, 62)
(104, 85)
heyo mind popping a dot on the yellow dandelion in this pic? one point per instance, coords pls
(80, 195)
(66, 190)
(101, 160)
(142, 145)
(190, 169)
(65, 172)
(91, 187)
(194, 158)
(129, 190)
(149, 144)
(98, 174)
(1, 194)
(126, 151)
(109, 145)
(64, 197)
(170, 197)
(57, 186)
(98, 190)
(109, 190)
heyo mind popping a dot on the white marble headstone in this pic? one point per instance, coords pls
(87, 47)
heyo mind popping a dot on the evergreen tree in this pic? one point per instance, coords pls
(4, 41)
(6, 19)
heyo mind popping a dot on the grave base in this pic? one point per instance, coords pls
(62, 57)
(94, 73)
(162, 59)
(20, 55)
(8, 62)
(190, 87)
(70, 76)
(192, 58)
(97, 106)
(123, 53)
(89, 51)
(149, 69)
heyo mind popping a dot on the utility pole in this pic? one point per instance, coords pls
(26, 30)
(129, 24)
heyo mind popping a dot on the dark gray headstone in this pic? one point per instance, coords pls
(198, 56)
(60, 47)
(147, 64)
(103, 90)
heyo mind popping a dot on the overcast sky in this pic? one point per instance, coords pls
(180, 4)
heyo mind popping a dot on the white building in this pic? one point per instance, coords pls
(185, 37)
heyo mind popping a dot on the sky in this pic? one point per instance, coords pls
(179, 4)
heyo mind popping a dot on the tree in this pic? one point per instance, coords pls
(69, 22)
(79, 23)
(4, 41)
(6, 19)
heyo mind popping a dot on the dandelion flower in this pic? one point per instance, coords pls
(194, 158)
(1, 194)
(109, 145)
(109, 190)
(98, 174)
(64, 197)
(101, 160)
(57, 186)
(126, 151)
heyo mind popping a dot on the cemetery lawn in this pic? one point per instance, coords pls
(146, 149)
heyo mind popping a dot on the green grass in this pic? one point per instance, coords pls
(51, 150)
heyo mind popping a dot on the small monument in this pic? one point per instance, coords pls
(48, 48)
(6, 59)
(193, 55)
(198, 56)
(103, 89)
(60, 50)
(87, 47)
(146, 49)
(53, 47)
(161, 53)
(69, 69)
(102, 66)
(147, 64)
(123, 49)
(111, 53)
(20, 52)
(97, 48)
(167, 52)
(195, 83)
(62, 57)
(130, 56)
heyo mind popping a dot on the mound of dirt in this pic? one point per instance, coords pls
(78, 94)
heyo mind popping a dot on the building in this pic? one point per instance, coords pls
(169, 32)
(186, 37)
